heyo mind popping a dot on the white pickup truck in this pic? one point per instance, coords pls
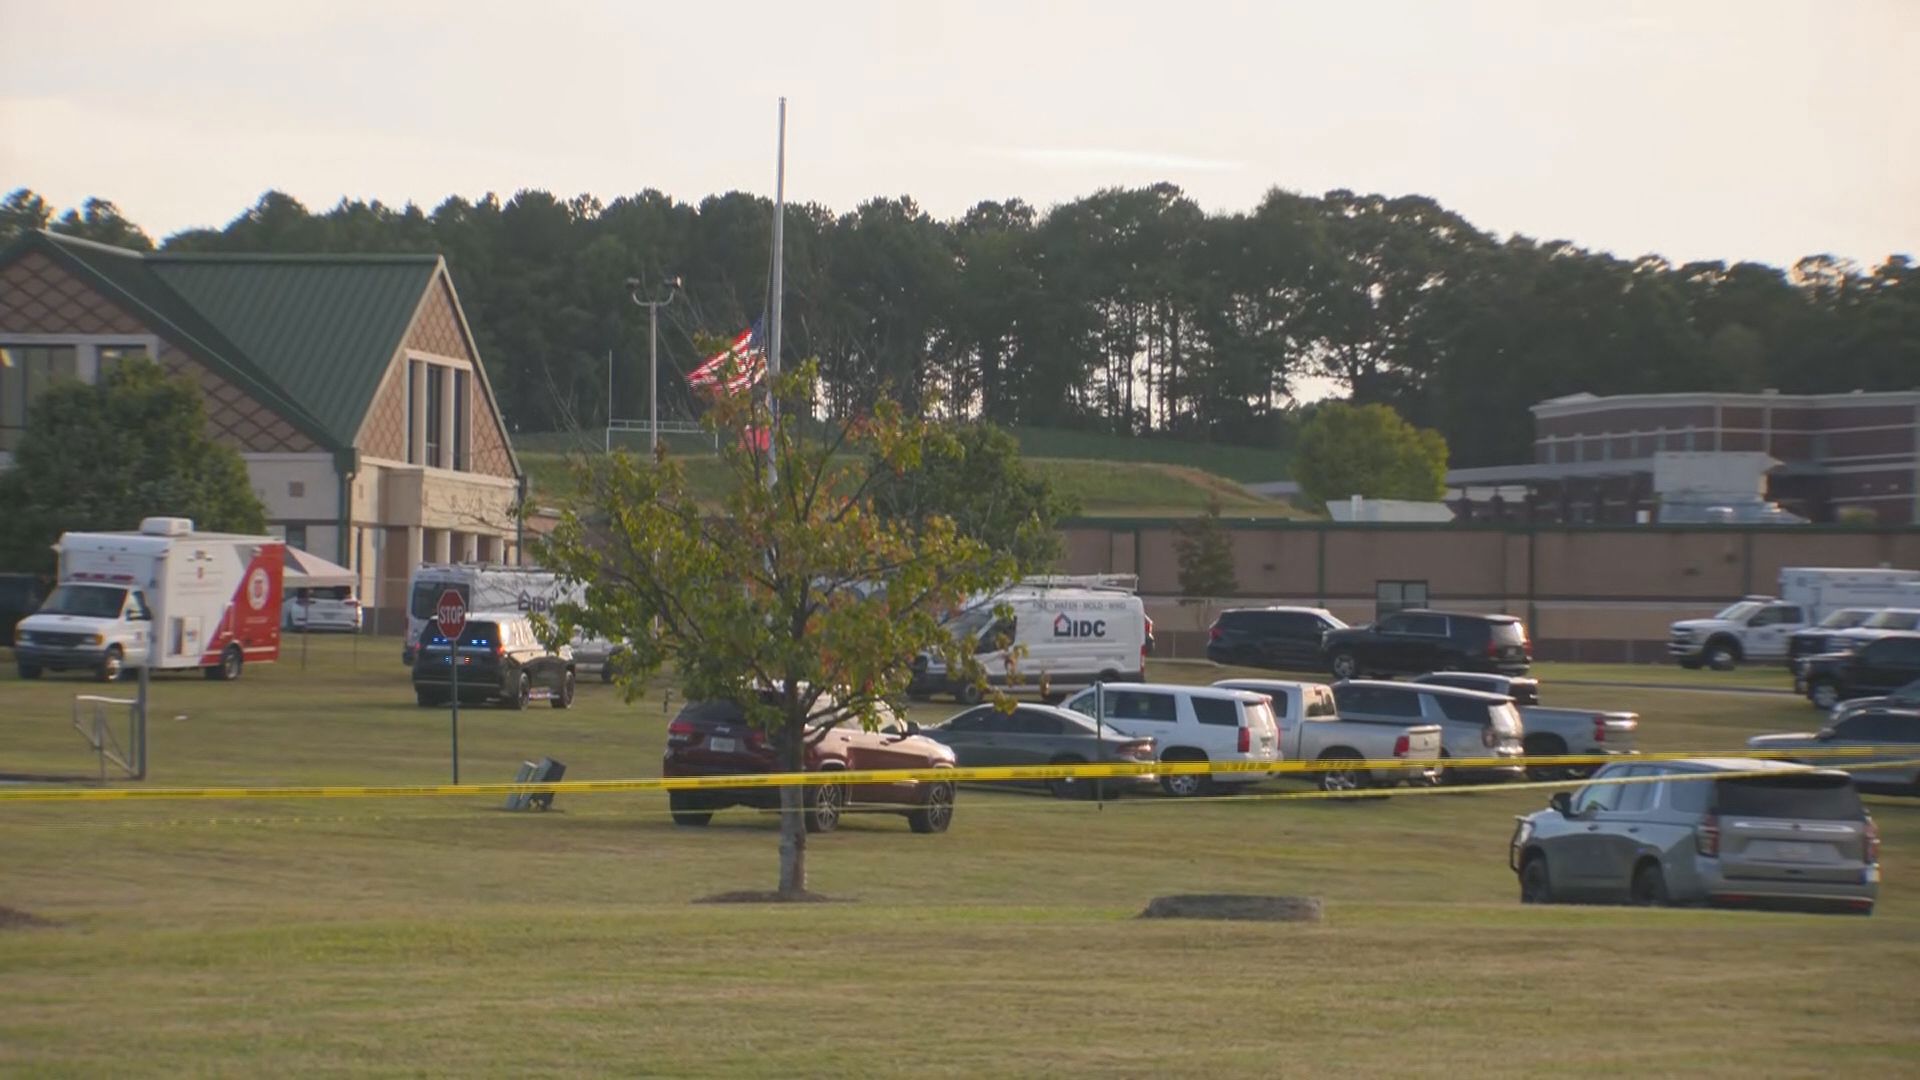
(1756, 628)
(1311, 730)
(1552, 732)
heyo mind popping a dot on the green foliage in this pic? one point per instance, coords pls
(1368, 450)
(769, 599)
(973, 476)
(101, 457)
(1205, 550)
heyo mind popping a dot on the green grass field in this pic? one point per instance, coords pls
(446, 937)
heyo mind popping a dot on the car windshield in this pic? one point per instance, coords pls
(1844, 619)
(88, 601)
(1893, 619)
(1736, 612)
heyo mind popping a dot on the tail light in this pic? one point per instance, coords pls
(1872, 835)
(1141, 750)
(1401, 746)
(1489, 737)
(1246, 739)
(756, 739)
(1599, 729)
(1706, 836)
(679, 731)
(1214, 633)
(1493, 648)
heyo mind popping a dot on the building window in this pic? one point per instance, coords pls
(112, 356)
(413, 416)
(297, 537)
(461, 382)
(1392, 596)
(26, 371)
(436, 415)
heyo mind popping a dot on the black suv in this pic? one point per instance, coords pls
(1819, 638)
(500, 660)
(1416, 641)
(1881, 666)
(1281, 638)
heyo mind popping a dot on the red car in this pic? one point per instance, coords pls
(713, 738)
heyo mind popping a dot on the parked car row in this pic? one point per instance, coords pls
(1878, 667)
(1401, 643)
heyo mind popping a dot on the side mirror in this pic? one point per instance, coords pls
(1563, 802)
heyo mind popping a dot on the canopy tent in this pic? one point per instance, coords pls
(305, 570)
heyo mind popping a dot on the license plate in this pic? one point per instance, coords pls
(1787, 849)
(723, 746)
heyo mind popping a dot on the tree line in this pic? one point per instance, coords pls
(1130, 310)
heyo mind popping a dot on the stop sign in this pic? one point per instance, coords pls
(451, 614)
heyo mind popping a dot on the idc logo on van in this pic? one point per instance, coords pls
(1066, 627)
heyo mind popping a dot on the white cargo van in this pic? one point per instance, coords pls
(524, 590)
(1073, 634)
(165, 596)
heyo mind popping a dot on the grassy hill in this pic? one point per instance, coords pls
(1106, 488)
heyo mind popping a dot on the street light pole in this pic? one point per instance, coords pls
(653, 356)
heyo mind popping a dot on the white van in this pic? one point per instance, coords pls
(1073, 635)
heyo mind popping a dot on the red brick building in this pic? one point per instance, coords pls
(1594, 456)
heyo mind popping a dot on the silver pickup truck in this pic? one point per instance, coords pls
(1551, 732)
(1311, 729)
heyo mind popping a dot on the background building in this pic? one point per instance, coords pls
(350, 385)
(1596, 459)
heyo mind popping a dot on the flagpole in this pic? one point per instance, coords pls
(773, 340)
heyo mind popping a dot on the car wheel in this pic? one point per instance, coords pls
(1344, 666)
(606, 670)
(29, 671)
(687, 810)
(1069, 787)
(1342, 779)
(563, 697)
(230, 662)
(823, 805)
(968, 694)
(1536, 885)
(112, 665)
(1546, 746)
(1186, 785)
(1824, 693)
(1649, 888)
(936, 812)
(521, 695)
(1720, 656)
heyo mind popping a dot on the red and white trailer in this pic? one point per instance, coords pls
(166, 596)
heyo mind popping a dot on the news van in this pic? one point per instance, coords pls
(1075, 630)
(166, 597)
(523, 590)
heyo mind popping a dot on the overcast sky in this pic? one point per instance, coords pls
(1746, 129)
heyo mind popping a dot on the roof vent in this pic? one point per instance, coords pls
(165, 526)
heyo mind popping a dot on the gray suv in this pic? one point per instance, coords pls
(1472, 724)
(1729, 832)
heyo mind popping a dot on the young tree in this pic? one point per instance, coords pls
(975, 476)
(1205, 550)
(147, 453)
(1368, 450)
(768, 600)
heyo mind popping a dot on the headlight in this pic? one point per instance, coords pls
(24, 635)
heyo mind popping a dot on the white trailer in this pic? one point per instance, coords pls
(523, 589)
(165, 597)
(1824, 590)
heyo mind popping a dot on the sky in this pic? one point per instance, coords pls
(1692, 129)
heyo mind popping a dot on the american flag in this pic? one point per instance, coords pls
(742, 364)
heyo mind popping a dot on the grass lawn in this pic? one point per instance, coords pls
(447, 937)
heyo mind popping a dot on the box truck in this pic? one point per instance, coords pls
(166, 597)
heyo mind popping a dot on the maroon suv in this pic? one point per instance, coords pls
(713, 738)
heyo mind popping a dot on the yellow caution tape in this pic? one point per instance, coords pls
(977, 774)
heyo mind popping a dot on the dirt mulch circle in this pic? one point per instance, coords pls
(766, 896)
(15, 919)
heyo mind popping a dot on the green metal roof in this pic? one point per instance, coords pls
(324, 329)
(311, 335)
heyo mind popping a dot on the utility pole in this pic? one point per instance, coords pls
(773, 340)
(653, 357)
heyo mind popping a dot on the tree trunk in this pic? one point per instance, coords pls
(793, 825)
